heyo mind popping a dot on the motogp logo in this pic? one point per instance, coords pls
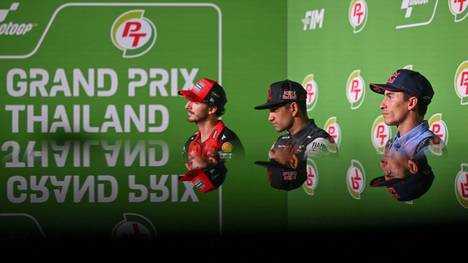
(380, 134)
(311, 86)
(357, 15)
(355, 89)
(134, 34)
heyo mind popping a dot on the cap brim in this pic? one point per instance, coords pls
(272, 163)
(381, 88)
(270, 105)
(189, 95)
(380, 181)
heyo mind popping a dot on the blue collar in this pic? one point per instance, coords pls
(418, 130)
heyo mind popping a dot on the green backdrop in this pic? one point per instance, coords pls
(96, 83)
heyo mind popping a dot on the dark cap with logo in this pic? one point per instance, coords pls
(411, 187)
(283, 177)
(282, 92)
(408, 81)
(206, 91)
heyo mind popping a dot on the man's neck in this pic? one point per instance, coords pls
(408, 125)
(206, 127)
(299, 124)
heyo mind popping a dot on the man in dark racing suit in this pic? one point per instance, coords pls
(287, 104)
(213, 142)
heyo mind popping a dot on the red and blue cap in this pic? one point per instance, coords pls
(411, 82)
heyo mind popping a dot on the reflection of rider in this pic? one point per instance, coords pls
(406, 178)
(206, 179)
(285, 177)
(213, 143)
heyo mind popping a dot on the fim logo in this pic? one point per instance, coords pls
(134, 227)
(312, 88)
(312, 177)
(333, 128)
(439, 128)
(357, 15)
(423, 17)
(134, 34)
(459, 9)
(355, 89)
(380, 134)
(355, 179)
(461, 82)
(13, 28)
(313, 18)
(461, 185)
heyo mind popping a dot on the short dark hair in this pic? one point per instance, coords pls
(220, 111)
(421, 107)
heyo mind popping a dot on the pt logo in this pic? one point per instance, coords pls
(459, 9)
(134, 227)
(134, 34)
(439, 128)
(355, 89)
(380, 134)
(356, 179)
(312, 177)
(311, 86)
(417, 12)
(357, 15)
(460, 82)
(461, 185)
(333, 128)
(313, 18)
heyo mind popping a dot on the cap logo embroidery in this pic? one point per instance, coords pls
(289, 95)
(269, 94)
(393, 77)
(199, 86)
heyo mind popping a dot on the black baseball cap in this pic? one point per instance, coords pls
(206, 91)
(282, 92)
(284, 177)
(412, 186)
(411, 82)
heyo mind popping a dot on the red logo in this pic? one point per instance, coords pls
(460, 3)
(132, 30)
(332, 131)
(464, 80)
(310, 92)
(310, 176)
(355, 89)
(393, 77)
(357, 12)
(464, 187)
(355, 180)
(269, 94)
(393, 192)
(380, 133)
